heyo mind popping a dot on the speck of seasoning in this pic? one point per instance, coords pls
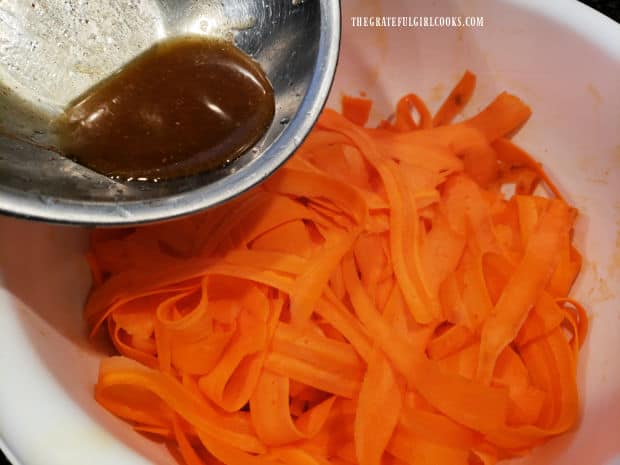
(458, 99)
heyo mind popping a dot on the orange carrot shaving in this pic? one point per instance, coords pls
(456, 101)
(378, 301)
(356, 110)
(404, 121)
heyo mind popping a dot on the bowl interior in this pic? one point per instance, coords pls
(529, 49)
(53, 51)
(48, 368)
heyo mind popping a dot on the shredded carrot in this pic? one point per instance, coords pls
(456, 101)
(356, 109)
(404, 121)
(379, 300)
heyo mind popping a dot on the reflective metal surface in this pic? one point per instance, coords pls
(53, 50)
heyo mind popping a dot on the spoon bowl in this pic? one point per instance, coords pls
(51, 52)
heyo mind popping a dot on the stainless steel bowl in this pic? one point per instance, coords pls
(53, 50)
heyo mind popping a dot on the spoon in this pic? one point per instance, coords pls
(51, 52)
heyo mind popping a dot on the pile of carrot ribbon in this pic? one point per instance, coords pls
(380, 300)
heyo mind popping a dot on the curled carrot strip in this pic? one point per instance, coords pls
(578, 317)
(517, 157)
(377, 301)
(456, 101)
(356, 109)
(404, 120)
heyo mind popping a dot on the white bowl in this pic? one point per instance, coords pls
(561, 57)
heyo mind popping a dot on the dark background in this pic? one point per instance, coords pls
(610, 8)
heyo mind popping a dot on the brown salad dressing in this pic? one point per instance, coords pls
(185, 106)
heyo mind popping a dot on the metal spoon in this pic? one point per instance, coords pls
(51, 51)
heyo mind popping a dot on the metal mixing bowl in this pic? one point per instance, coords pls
(53, 50)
